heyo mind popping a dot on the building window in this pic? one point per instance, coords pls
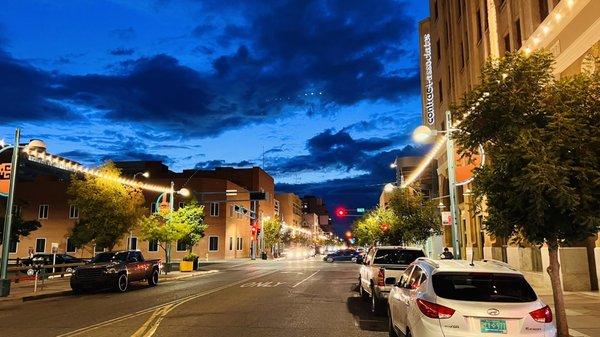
(133, 241)
(240, 244)
(153, 245)
(543, 6)
(213, 243)
(507, 43)
(40, 245)
(73, 212)
(181, 204)
(181, 246)
(98, 249)
(479, 33)
(518, 33)
(12, 246)
(435, 10)
(43, 212)
(460, 5)
(70, 246)
(485, 18)
(441, 91)
(153, 207)
(439, 49)
(230, 243)
(214, 209)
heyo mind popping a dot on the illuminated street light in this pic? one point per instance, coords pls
(184, 192)
(423, 134)
(143, 174)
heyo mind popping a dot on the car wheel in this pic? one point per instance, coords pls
(330, 260)
(353, 259)
(122, 283)
(69, 270)
(76, 290)
(153, 279)
(392, 329)
(375, 303)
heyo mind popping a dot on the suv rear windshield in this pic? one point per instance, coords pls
(110, 257)
(483, 287)
(396, 256)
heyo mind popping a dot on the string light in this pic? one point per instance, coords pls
(61, 163)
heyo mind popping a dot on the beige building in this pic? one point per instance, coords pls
(290, 209)
(456, 40)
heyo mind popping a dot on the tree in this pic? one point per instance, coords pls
(192, 216)
(541, 137)
(107, 209)
(165, 226)
(409, 219)
(271, 232)
(19, 228)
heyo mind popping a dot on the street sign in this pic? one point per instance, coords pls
(360, 210)
(446, 218)
(258, 195)
(5, 166)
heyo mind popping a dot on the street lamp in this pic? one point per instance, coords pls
(145, 174)
(424, 134)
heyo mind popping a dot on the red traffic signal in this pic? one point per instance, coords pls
(341, 212)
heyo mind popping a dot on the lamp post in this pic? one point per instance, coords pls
(4, 281)
(145, 174)
(423, 134)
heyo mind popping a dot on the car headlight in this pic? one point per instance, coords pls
(111, 270)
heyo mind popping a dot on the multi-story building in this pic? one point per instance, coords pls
(426, 184)
(312, 204)
(456, 40)
(290, 207)
(41, 194)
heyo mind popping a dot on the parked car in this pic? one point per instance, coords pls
(462, 298)
(115, 270)
(379, 263)
(48, 259)
(341, 255)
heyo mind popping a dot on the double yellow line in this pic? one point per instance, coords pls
(159, 312)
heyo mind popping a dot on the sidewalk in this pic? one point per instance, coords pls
(583, 311)
(23, 291)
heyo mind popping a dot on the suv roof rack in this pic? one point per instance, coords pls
(500, 263)
(429, 261)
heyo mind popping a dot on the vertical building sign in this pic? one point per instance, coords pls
(5, 166)
(428, 92)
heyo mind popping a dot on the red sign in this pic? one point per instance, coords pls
(5, 166)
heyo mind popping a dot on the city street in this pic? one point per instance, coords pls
(255, 298)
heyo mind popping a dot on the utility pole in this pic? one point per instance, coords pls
(4, 281)
(456, 239)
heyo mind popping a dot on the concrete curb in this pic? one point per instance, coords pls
(43, 296)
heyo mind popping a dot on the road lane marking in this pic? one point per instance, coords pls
(157, 308)
(166, 311)
(311, 275)
(268, 284)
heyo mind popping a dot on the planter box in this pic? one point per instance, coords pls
(186, 265)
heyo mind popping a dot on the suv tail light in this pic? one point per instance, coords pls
(433, 310)
(542, 315)
(381, 277)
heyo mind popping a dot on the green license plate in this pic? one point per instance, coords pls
(493, 325)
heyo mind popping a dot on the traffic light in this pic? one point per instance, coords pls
(341, 211)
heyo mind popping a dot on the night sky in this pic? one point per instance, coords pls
(322, 94)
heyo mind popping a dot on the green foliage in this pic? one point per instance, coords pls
(107, 209)
(190, 257)
(542, 140)
(186, 223)
(272, 232)
(19, 228)
(408, 219)
(191, 215)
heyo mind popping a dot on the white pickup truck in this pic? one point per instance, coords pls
(381, 263)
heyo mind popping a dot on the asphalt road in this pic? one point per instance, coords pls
(257, 298)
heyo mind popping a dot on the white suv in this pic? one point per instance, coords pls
(453, 298)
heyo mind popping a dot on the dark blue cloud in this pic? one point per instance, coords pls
(123, 33)
(211, 164)
(26, 93)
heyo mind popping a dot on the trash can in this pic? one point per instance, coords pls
(195, 265)
(263, 255)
